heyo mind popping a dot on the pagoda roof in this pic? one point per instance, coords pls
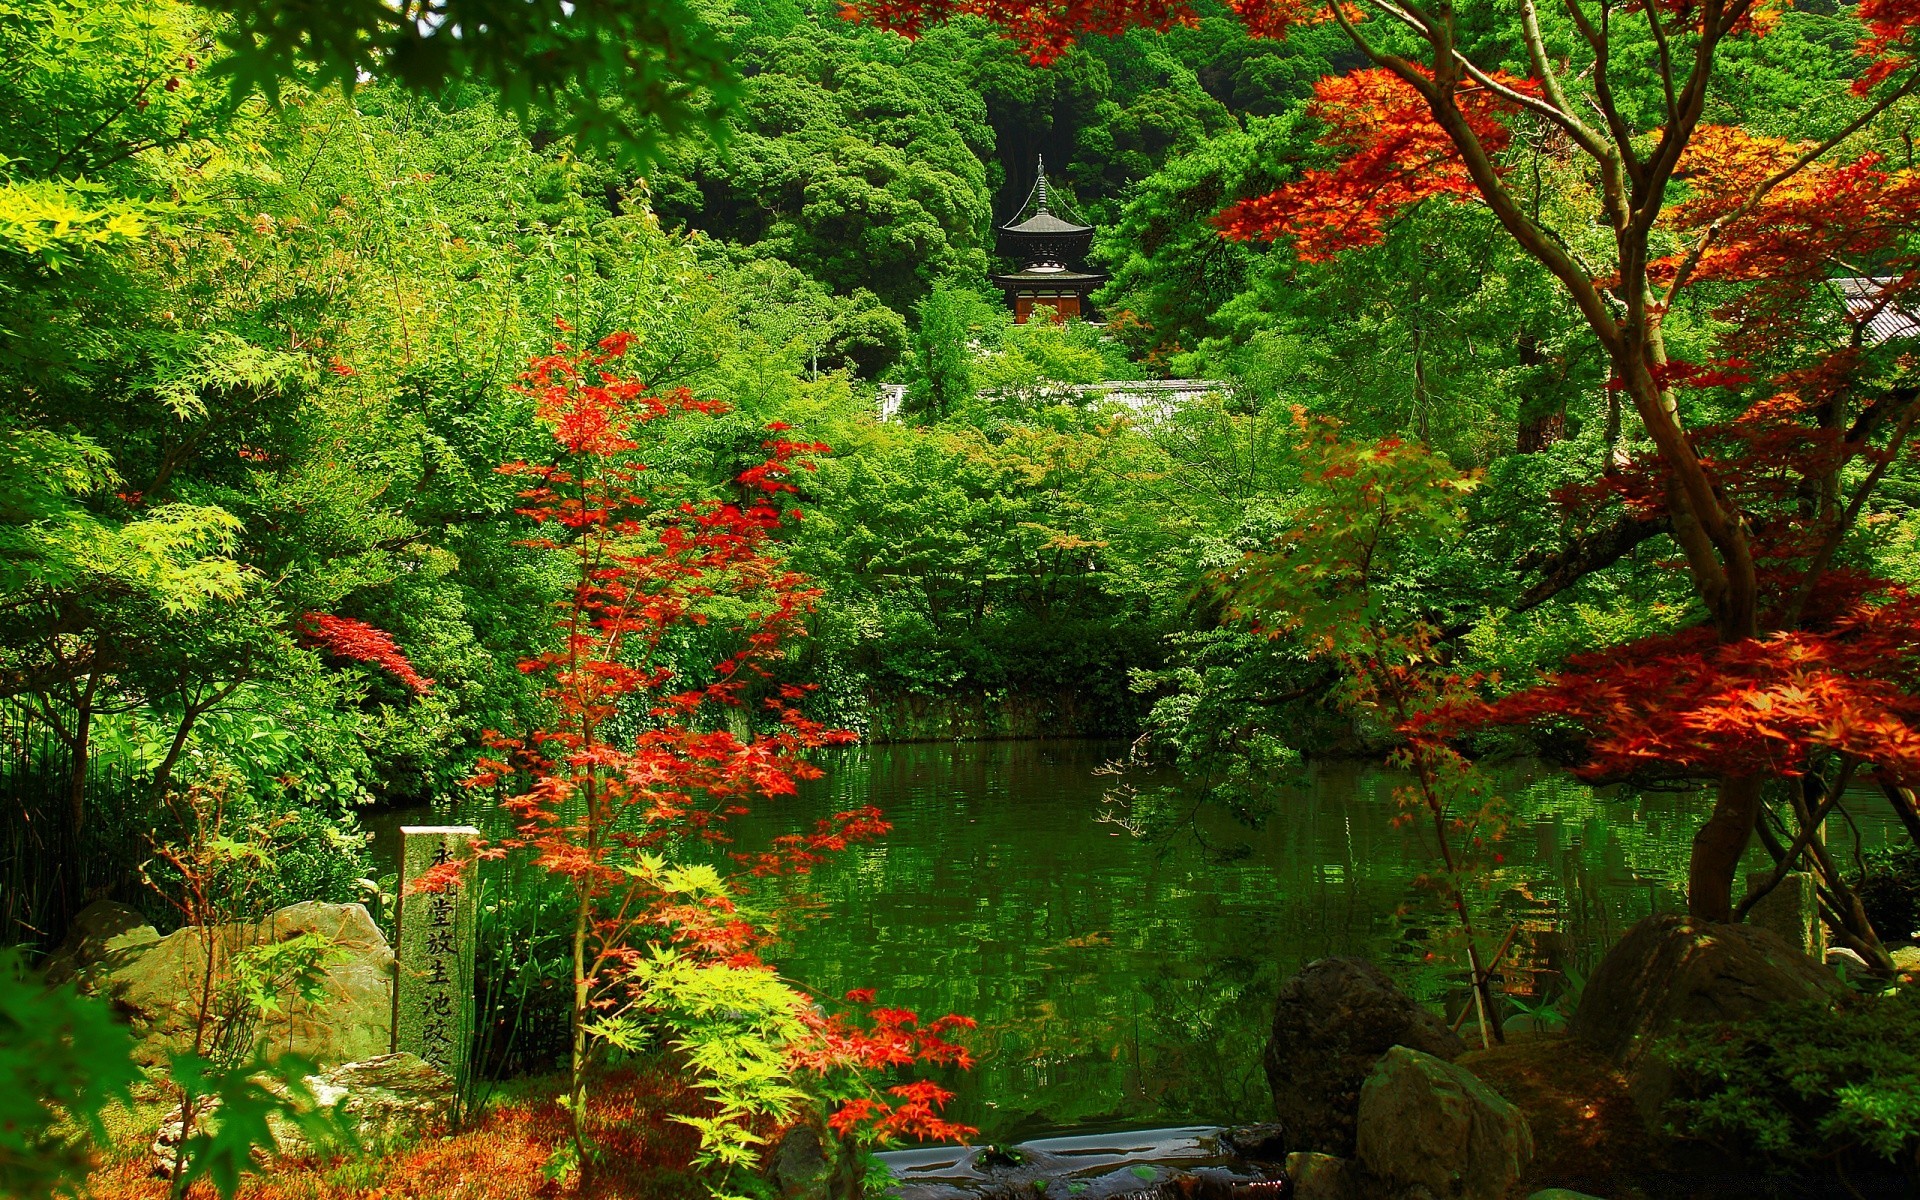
(1054, 277)
(1045, 222)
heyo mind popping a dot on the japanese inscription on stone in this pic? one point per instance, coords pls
(433, 964)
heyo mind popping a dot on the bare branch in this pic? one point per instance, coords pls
(1604, 102)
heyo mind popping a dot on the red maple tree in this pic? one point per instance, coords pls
(642, 760)
(1758, 505)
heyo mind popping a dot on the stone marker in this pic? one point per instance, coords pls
(433, 950)
(1791, 910)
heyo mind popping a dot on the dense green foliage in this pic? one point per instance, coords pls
(62, 1061)
(1806, 1084)
(270, 272)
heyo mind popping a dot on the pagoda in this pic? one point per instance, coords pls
(1050, 246)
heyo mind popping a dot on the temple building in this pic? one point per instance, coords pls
(1050, 247)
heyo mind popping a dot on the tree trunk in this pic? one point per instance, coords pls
(1718, 846)
(1543, 421)
(1906, 806)
(1613, 463)
(163, 774)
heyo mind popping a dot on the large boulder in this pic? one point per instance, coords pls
(156, 983)
(1426, 1124)
(1333, 1021)
(393, 1096)
(1317, 1176)
(1671, 973)
(101, 932)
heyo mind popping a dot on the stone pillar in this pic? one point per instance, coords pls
(1791, 910)
(433, 949)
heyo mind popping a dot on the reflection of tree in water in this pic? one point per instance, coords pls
(1203, 1033)
(1122, 981)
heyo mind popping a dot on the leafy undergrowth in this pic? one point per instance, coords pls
(1589, 1136)
(644, 1155)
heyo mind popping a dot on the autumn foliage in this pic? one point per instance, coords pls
(652, 751)
(842, 1048)
(1392, 156)
(357, 641)
(1687, 707)
(1757, 460)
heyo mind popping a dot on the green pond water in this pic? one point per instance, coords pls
(1123, 983)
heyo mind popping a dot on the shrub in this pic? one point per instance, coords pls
(62, 1059)
(1890, 889)
(1806, 1083)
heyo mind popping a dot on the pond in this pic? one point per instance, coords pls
(1120, 982)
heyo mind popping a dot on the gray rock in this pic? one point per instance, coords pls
(1332, 1022)
(392, 1095)
(100, 931)
(376, 1101)
(1791, 910)
(156, 984)
(1427, 1124)
(1322, 1177)
(1256, 1143)
(1526, 1023)
(798, 1167)
(1671, 973)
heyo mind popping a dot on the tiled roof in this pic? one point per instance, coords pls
(1046, 222)
(1861, 294)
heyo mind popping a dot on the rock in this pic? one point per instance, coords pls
(1526, 1024)
(1850, 960)
(1791, 910)
(1906, 960)
(1673, 972)
(386, 1097)
(100, 931)
(376, 1101)
(1333, 1021)
(156, 985)
(1321, 1176)
(1256, 1143)
(798, 1167)
(1192, 1162)
(1425, 1123)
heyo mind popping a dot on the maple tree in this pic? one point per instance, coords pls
(357, 641)
(1692, 216)
(642, 763)
(1328, 580)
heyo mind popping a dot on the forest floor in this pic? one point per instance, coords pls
(1588, 1136)
(503, 1155)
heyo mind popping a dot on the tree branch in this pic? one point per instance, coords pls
(1830, 545)
(1760, 190)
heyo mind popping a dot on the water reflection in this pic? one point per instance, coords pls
(1121, 982)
